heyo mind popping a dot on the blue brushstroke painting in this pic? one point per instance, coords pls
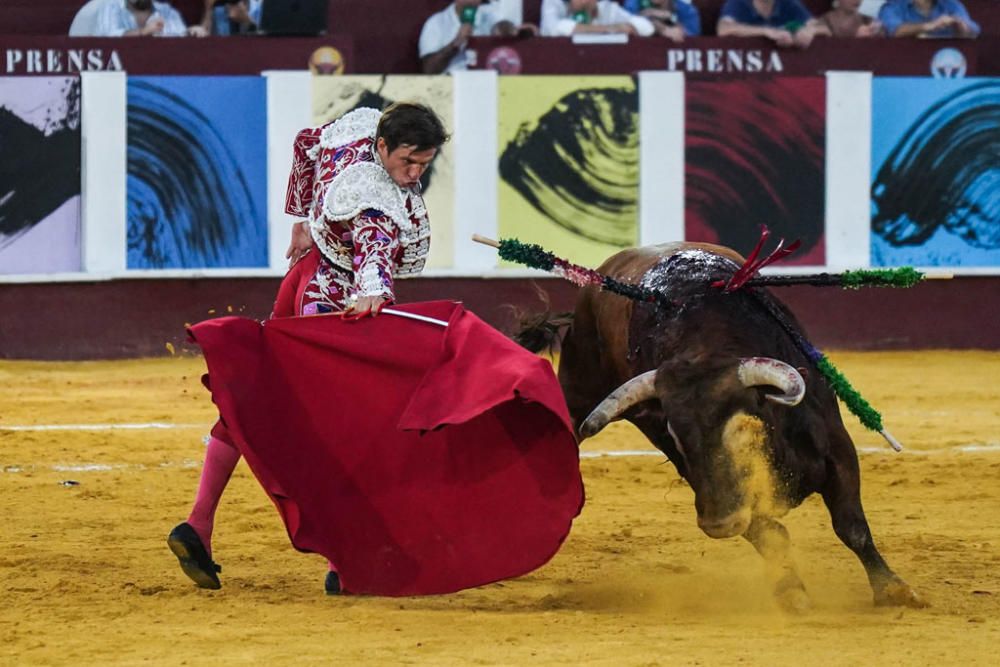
(197, 172)
(936, 172)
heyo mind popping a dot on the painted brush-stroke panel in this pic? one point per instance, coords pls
(754, 153)
(40, 175)
(197, 172)
(569, 164)
(936, 172)
(335, 96)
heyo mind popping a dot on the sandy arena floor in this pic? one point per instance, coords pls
(86, 578)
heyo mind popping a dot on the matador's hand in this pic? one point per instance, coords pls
(365, 306)
(301, 243)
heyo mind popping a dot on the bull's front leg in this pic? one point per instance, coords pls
(770, 539)
(842, 496)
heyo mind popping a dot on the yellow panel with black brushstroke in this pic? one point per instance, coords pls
(333, 96)
(569, 164)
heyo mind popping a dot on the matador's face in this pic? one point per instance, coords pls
(404, 164)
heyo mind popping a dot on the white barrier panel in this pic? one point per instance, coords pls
(848, 172)
(289, 109)
(476, 179)
(661, 157)
(104, 173)
(848, 169)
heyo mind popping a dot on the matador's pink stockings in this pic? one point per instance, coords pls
(220, 460)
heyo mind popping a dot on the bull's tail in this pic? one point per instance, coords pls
(540, 331)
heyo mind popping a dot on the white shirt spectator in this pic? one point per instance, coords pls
(441, 28)
(115, 20)
(557, 22)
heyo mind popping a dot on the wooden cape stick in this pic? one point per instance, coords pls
(823, 279)
(538, 257)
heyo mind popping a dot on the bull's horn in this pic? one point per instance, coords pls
(756, 371)
(636, 390)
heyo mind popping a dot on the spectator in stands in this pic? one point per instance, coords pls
(562, 18)
(673, 19)
(785, 22)
(234, 17)
(927, 18)
(143, 18)
(845, 20)
(446, 33)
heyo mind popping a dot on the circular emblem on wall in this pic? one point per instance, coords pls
(505, 60)
(326, 60)
(948, 64)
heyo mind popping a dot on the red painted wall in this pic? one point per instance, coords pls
(138, 317)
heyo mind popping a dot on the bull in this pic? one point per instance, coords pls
(718, 385)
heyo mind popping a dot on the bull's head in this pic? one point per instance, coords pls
(720, 422)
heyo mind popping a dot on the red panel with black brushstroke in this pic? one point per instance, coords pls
(754, 153)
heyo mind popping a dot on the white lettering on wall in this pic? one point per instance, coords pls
(35, 62)
(61, 61)
(75, 60)
(722, 61)
(53, 61)
(14, 58)
(675, 57)
(775, 64)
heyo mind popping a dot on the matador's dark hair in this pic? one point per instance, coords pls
(411, 124)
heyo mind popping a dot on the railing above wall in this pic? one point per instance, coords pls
(705, 56)
(713, 56)
(46, 56)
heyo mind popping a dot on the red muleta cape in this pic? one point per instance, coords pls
(418, 459)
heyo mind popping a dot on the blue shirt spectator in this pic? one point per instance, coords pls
(927, 18)
(785, 22)
(668, 12)
(783, 14)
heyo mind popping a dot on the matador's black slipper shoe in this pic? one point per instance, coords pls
(188, 547)
(332, 584)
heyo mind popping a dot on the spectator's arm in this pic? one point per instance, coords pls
(563, 28)
(804, 36)
(729, 27)
(503, 28)
(966, 27)
(823, 27)
(891, 17)
(173, 24)
(643, 26)
(434, 59)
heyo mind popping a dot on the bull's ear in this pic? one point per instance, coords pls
(804, 372)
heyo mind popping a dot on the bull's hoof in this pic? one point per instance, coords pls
(793, 600)
(897, 593)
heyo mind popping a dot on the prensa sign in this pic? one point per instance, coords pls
(724, 61)
(61, 61)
